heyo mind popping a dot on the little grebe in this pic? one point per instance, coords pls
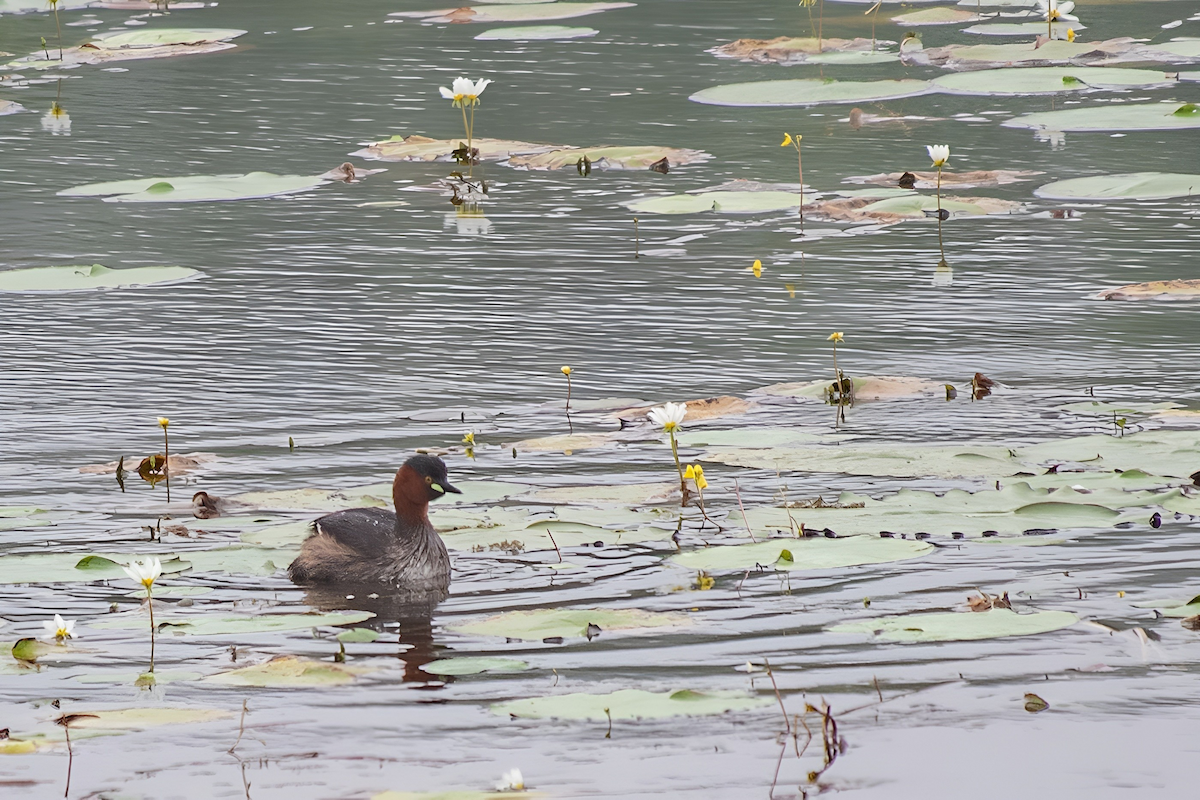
(377, 546)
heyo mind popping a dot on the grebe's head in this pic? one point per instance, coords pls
(426, 478)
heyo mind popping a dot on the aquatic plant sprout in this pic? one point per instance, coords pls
(566, 370)
(163, 422)
(59, 629)
(669, 417)
(787, 139)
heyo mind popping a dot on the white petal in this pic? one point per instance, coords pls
(1065, 8)
(50, 626)
(446, 93)
(462, 86)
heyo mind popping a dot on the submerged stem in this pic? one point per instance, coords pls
(167, 461)
(682, 482)
(150, 604)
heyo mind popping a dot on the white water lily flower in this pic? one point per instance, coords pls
(56, 120)
(464, 91)
(60, 629)
(1055, 11)
(145, 572)
(938, 153)
(669, 416)
(511, 781)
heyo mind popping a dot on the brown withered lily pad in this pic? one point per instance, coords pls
(950, 180)
(708, 408)
(134, 45)
(867, 388)
(907, 207)
(1153, 290)
(793, 50)
(422, 148)
(179, 464)
(605, 158)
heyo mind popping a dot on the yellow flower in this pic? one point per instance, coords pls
(1070, 34)
(756, 268)
(469, 439)
(787, 139)
(701, 482)
(690, 472)
(836, 337)
(565, 370)
(163, 421)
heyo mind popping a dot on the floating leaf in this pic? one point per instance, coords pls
(84, 278)
(608, 157)
(536, 33)
(935, 16)
(10, 107)
(628, 494)
(214, 625)
(1108, 117)
(129, 678)
(132, 719)
(1127, 186)
(61, 567)
(789, 50)
(1098, 408)
(866, 388)
(952, 626)
(198, 188)
(564, 443)
(358, 636)
(908, 207)
(466, 794)
(748, 437)
(1047, 80)
(1153, 290)
(950, 180)
(630, 704)
(422, 148)
(804, 92)
(1024, 29)
(880, 461)
(515, 12)
(549, 623)
(473, 666)
(720, 202)
(153, 37)
(290, 671)
(816, 553)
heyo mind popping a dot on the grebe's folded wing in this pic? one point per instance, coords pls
(367, 530)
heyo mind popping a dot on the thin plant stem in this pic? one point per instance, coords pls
(167, 461)
(821, 27)
(775, 686)
(570, 424)
(837, 380)
(679, 468)
(241, 728)
(551, 535)
(59, 26)
(70, 758)
(941, 242)
(800, 169)
(150, 604)
(737, 491)
(471, 142)
(637, 239)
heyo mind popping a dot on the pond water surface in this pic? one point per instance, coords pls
(363, 329)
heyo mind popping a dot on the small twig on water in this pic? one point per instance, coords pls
(775, 686)
(875, 680)
(737, 491)
(608, 714)
(241, 728)
(551, 535)
(637, 239)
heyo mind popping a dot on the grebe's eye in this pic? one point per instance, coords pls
(428, 480)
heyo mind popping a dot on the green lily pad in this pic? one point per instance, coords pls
(153, 37)
(804, 92)
(290, 671)
(473, 666)
(20, 511)
(1023, 29)
(564, 443)
(817, 553)
(913, 461)
(162, 590)
(10, 747)
(909, 207)
(197, 188)
(1098, 408)
(548, 623)
(22, 523)
(1127, 186)
(608, 157)
(935, 16)
(852, 57)
(128, 678)
(1046, 80)
(93, 53)
(10, 107)
(630, 704)
(358, 636)
(85, 278)
(1185, 47)
(623, 494)
(466, 794)
(62, 567)
(1166, 452)
(866, 388)
(133, 719)
(720, 202)
(233, 624)
(280, 536)
(952, 626)
(318, 499)
(748, 437)
(533, 33)
(792, 50)
(1055, 52)
(512, 12)
(1111, 117)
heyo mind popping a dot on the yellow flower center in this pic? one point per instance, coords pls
(670, 426)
